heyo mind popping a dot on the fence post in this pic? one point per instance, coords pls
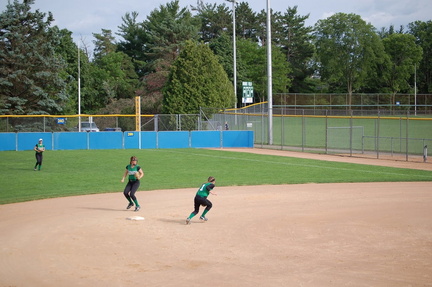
(351, 131)
(425, 153)
(326, 135)
(303, 129)
(156, 123)
(378, 135)
(407, 150)
(282, 127)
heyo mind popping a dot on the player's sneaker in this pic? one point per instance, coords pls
(129, 205)
(188, 220)
(203, 218)
(137, 208)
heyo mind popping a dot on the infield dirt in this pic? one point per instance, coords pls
(356, 234)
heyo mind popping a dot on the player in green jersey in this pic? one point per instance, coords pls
(39, 149)
(201, 199)
(134, 173)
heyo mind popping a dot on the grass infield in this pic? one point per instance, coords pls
(79, 172)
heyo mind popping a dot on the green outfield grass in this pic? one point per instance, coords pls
(67, 173)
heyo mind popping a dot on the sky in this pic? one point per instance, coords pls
(84, 17)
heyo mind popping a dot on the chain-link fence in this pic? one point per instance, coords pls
(363, 104)
(95, 123)
(378, 134)
(374, 125)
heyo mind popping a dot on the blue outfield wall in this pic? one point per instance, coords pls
(127, 140)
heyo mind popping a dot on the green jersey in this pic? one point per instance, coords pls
(205, 188)
(132, 171)
(40, 148)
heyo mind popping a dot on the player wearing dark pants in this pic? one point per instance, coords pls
(129, 193)
(198, 201)
(201, 199)
(39, 149)
(134, 173)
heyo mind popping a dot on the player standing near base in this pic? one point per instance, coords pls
(201, 199)
(39, 149)
(134, 173)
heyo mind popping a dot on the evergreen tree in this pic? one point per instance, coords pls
(168, 27)
(214, 20)
(135, 42)
(295, 41)
(247, 23)
(197, 80)
(30, 81)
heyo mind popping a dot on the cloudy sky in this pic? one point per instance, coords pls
(84, 17)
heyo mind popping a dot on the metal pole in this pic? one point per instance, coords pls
(234, 52)
(415, 89)
(79, 90)
(234, 2)
(269, 75)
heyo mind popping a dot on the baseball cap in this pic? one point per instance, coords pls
(40, 140)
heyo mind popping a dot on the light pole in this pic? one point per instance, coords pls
(234, 50)
(269, 75)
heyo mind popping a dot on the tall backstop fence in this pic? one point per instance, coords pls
(377, 134)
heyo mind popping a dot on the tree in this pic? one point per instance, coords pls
(247, 23)
(134, 43)
(111, 75)
(422, 31)
(222, 47)
(30, 81)
(68, 51)
(197, 80)
(104, 44)
(253, 68)
(404, 55)
(348, 51)
(295, 41)
(168, 28)
(214, 20)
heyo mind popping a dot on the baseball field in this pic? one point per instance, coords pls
(280, 219)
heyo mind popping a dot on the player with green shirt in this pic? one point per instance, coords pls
(133, 173)
(39, 149)
(201, 199)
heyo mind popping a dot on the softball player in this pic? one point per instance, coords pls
(39, 149)
(134, 173)
(201, 199)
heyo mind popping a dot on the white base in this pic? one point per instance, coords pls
(135, 218)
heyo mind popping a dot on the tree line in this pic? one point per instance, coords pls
(181, 58)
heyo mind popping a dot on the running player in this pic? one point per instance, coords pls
(201, 199)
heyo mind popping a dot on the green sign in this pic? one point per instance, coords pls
(247, 93)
